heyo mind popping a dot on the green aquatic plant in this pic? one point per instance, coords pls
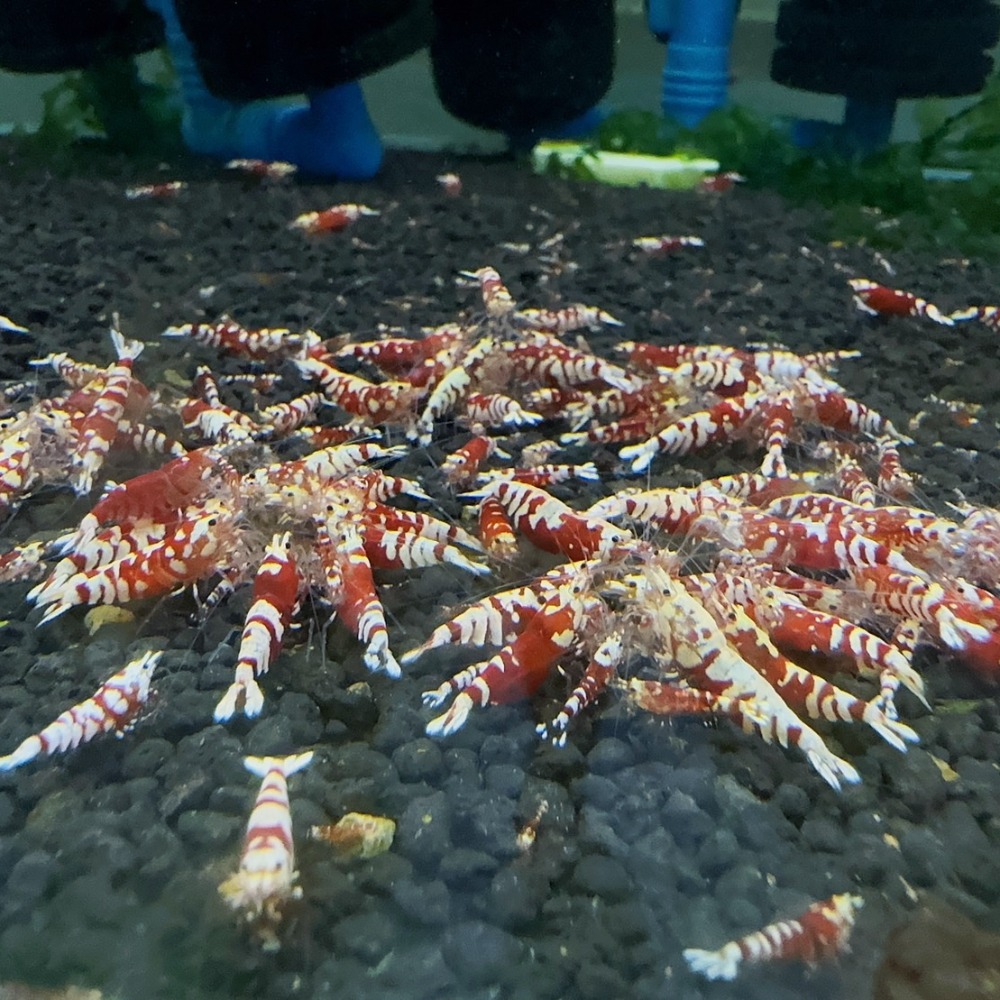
(109, 102)
(940, 193)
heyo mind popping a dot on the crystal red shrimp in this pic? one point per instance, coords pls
(113, 707)
(550, 524)
(23, 562)
(545, 475)
(565, 320)
(275, 590)
(878, 300)
(165, 189)
(491, 621)
(453, 387)
(281, 419)
(893, 480)
(266, 878)
(778, 418)
(817, 545)
(726, 377)
(818, 698)
(100, 426)
(847, 416)
(496, 529)
(233, 338)
(461, 466)
(662, 246)
(218, 424)
(324, 466)
(647, 358)
(17, 471)
(358, 602)
(143, 439)
(376, 513)
(600, 671)
(384, 402)
(697, 430)
(689, 638)
(794, 626)
(155, 495)
(959, 622)
(822, 932)
(189, 551)
(405, 548)
(76, 374)
(496, 410)
(671, 699)
(673, 510)
(497, 300)
(548, 361)
(268, 170)
(517, 670)
(330, 220)
(399, 355)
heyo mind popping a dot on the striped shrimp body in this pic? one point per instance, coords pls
(689, 640)
(356, 598)
(190, 551)
(550, 524)
(155, 495)
(822, 932)
(230, 337)
(878, 300)
(100, 426)
(266, 878)
(17, 472)
(275, 590)
(517, 670)
(113, 707)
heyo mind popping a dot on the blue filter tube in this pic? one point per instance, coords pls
(330, 134)
(696, 75)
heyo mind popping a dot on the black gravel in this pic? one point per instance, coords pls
(655, 837)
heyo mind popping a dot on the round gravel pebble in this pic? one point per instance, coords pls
(418, 760)
(610, 756)
(205, 829)
(423, 902)
(480, 954)
(423, 833)
(686, 823)
(600, 876)
(30, 878)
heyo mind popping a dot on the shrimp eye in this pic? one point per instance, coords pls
(213, 522)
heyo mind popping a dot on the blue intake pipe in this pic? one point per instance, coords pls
(331, 135)
(696, 75)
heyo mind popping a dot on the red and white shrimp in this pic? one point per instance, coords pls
(113, 707)
(330, 220)
(233, 338)
(550, 524)
(275, 589)
(265, 881)
(100, 426)
(661, 246)
(878, 300)
(565, 320)
(517, 670)
(189, 551)
(497, 300)
(165, 189)
(268, 170)
(451, 184)
(822, 932)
